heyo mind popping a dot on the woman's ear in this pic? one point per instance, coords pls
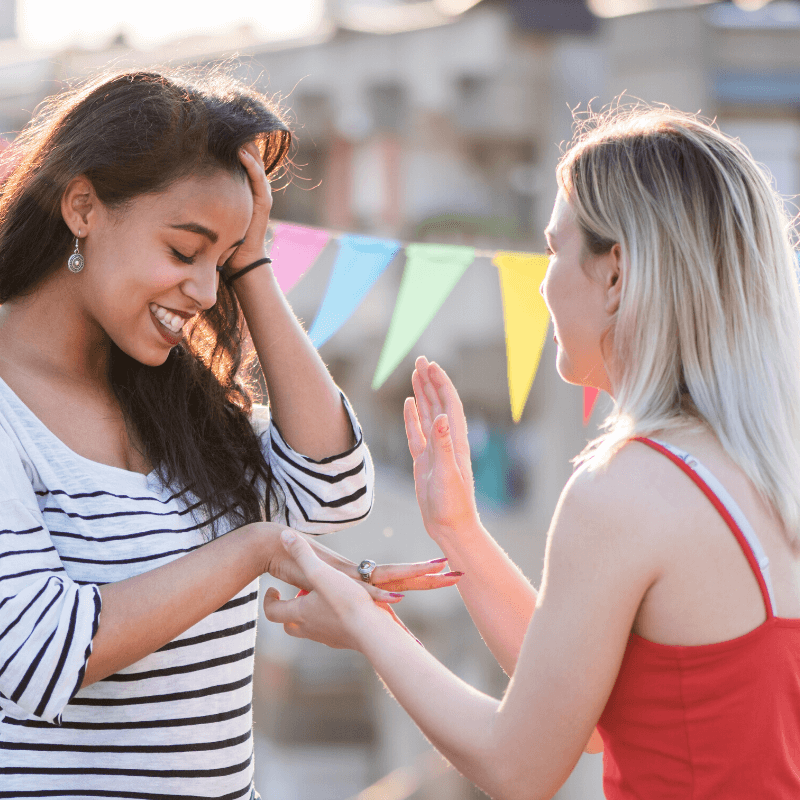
(613, 279)
(79, 205)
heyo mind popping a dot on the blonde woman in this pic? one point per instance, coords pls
(669, 613)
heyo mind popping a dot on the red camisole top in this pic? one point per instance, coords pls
(715, 721)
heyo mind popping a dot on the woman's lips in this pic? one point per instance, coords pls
(171, 337)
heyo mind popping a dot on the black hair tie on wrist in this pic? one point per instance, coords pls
(240, 272)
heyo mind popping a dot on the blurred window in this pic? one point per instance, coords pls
(553, 15)
(387, 103)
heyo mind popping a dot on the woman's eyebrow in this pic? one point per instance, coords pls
(194, 227)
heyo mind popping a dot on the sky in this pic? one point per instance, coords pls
(147, 23)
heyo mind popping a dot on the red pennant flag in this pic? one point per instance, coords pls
(589, 399)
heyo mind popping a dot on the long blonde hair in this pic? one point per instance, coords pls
(708, 325)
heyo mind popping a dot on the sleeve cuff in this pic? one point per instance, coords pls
(47, 683)
(323, 495)
(345, 456)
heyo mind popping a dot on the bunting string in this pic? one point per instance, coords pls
(430, 274)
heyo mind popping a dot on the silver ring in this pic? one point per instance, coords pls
(365, 570)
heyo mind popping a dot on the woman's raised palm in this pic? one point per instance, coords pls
(437, 438)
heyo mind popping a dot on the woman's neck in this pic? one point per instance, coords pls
(48, 334)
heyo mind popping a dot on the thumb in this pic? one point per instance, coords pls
(329, 583)
(301, 553)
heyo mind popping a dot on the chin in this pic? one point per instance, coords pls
(153, 361)
(590, 375)
(153, 358)
(149, 357)
(572, 379)
(565, 371)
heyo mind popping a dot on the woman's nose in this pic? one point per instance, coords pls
(202, 286)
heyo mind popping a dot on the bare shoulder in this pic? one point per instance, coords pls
(621, 510)
(636, 484)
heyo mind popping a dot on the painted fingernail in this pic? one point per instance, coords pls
(419, 643)
(438, 560)
(396, 594)
(452, 574)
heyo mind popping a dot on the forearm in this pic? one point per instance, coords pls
(304, 400)
(457, 719)
(141, 614)
(499, 598)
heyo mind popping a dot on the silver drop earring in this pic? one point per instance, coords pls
(76, 261)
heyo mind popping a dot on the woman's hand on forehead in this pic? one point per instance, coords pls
(253, 246)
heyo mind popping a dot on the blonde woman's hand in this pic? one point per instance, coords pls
(415, 576)
(334, 610)
(437, 438)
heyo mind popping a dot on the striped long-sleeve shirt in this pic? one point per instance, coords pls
(178, 722)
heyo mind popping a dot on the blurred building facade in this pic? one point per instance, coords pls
(425, 125)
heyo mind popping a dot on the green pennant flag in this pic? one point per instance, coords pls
(431, 273)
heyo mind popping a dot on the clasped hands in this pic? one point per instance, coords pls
(339, 606)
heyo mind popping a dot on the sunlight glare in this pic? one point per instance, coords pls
(148, 23)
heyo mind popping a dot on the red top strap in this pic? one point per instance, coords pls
(723, 512)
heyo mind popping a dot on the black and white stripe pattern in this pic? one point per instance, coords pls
(178, 722)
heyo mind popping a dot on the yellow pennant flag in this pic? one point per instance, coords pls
(526, 321)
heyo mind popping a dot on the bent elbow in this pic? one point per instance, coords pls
(524, 790)
(517, 781)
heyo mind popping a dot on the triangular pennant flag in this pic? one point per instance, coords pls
(359, 263)
(294, 249)
(431, 273)
(589, 399)
(526, 320)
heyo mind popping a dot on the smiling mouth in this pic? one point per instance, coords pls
(172, 337)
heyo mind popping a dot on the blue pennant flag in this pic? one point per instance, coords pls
(359, 263)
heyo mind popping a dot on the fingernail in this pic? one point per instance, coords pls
(287, 537)
(419, 643)
(438, 560)
(396, 594)
(452, 574)
(302, 593)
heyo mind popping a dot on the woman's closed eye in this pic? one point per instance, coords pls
(182, 258)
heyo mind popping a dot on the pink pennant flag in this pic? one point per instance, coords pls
(294, 249)
(589, 399)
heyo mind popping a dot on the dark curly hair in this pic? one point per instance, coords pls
(133, 133)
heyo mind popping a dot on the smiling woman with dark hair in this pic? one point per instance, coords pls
(138, 482)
